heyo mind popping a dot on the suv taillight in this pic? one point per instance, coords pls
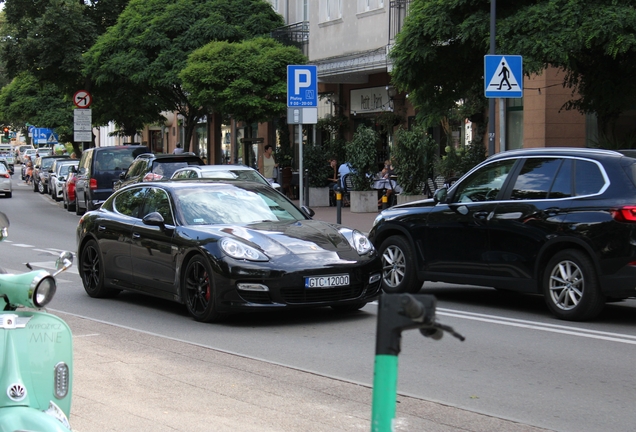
(5, 175)
(625, 214)
(93, 184)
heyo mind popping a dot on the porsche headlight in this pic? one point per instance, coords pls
(44, 292)
(359, 242)
(240, 250)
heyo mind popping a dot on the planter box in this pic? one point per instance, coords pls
(402, 199)
(318, 197)
(364, 201)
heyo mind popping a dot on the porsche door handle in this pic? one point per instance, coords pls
(136, 235)
(481, 215)
(101, 228)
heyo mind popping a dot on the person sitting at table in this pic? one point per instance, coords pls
(386, 174)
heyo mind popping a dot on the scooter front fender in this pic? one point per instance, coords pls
(29, 419)
(36, 361)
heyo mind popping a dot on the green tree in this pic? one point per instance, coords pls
(414, 158)
(48, 37)
(438, 56)
(361, 155)
(247, 79)
(21, 102)
(149, 46)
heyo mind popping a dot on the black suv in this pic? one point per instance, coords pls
(41, 172)
(151, 167)
(555, 221)
(98, 170)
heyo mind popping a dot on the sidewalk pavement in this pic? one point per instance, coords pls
(127, 380)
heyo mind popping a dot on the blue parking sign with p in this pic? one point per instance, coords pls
(302, 86)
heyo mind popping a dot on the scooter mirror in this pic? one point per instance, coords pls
(64, 261)
(4, 226)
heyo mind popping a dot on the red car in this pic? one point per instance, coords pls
(69, 192)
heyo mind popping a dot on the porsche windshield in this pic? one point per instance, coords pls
(232, 205)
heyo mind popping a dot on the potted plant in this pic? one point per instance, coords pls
(413, 157)
(317, 171)
(361, 156)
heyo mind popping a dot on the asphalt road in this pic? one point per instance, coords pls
(517, 362)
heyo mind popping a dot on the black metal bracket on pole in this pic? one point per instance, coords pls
(399, 312)
(396, 313)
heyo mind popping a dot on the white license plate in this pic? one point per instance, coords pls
(327, 281)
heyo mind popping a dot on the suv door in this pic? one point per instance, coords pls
(533, 210)
(456, 238)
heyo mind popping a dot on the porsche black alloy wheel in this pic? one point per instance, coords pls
(92, 272)
(571, 287)
(398, 267)
(199, 290)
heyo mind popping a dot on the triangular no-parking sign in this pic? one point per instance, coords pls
(503, 76)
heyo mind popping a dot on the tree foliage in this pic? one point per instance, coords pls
(247, 80)
(48, 37)
(361, 153)
(149, 45)
(438, 56)
(21, 102)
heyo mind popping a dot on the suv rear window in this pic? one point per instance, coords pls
(117, 159)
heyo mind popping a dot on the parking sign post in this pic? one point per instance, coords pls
(302, 108)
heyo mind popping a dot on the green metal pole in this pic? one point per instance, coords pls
(384, 393)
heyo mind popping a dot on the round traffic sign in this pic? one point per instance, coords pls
(82, 99)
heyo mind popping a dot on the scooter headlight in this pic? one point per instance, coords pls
(44, 291)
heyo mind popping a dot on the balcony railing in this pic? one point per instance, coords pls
(296, 34)
(398, 9)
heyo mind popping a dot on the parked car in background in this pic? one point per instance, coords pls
(98, 170)
(6, 154)
(68, 190)
(28, 152)
(19, 156)
(224, 172)
(41, 172)
(151, 167)
(6, 187)
(554, 221)
(222, 248)
(59, 171)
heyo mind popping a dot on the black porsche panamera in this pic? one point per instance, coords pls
(222, 248)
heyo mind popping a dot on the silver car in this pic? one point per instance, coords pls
(5, 181)
(58, 175)
(224, 172)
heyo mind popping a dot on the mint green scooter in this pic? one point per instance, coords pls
(36, 351)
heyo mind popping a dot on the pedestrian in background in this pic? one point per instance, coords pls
(178, 149)
(269, 163)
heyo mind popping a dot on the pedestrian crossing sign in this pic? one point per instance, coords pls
(503, 76)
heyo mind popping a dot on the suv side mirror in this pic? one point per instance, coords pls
(440, 195)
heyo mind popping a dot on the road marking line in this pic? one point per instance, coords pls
(572, 331)
(22, 245)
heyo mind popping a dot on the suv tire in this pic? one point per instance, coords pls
(398, 266)
(571, 287)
